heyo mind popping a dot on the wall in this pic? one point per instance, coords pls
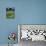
(27, 12)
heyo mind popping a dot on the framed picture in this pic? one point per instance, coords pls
(32, 32)
(10, 13)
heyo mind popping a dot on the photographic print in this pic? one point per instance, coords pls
(10, 13)
(31, 33)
